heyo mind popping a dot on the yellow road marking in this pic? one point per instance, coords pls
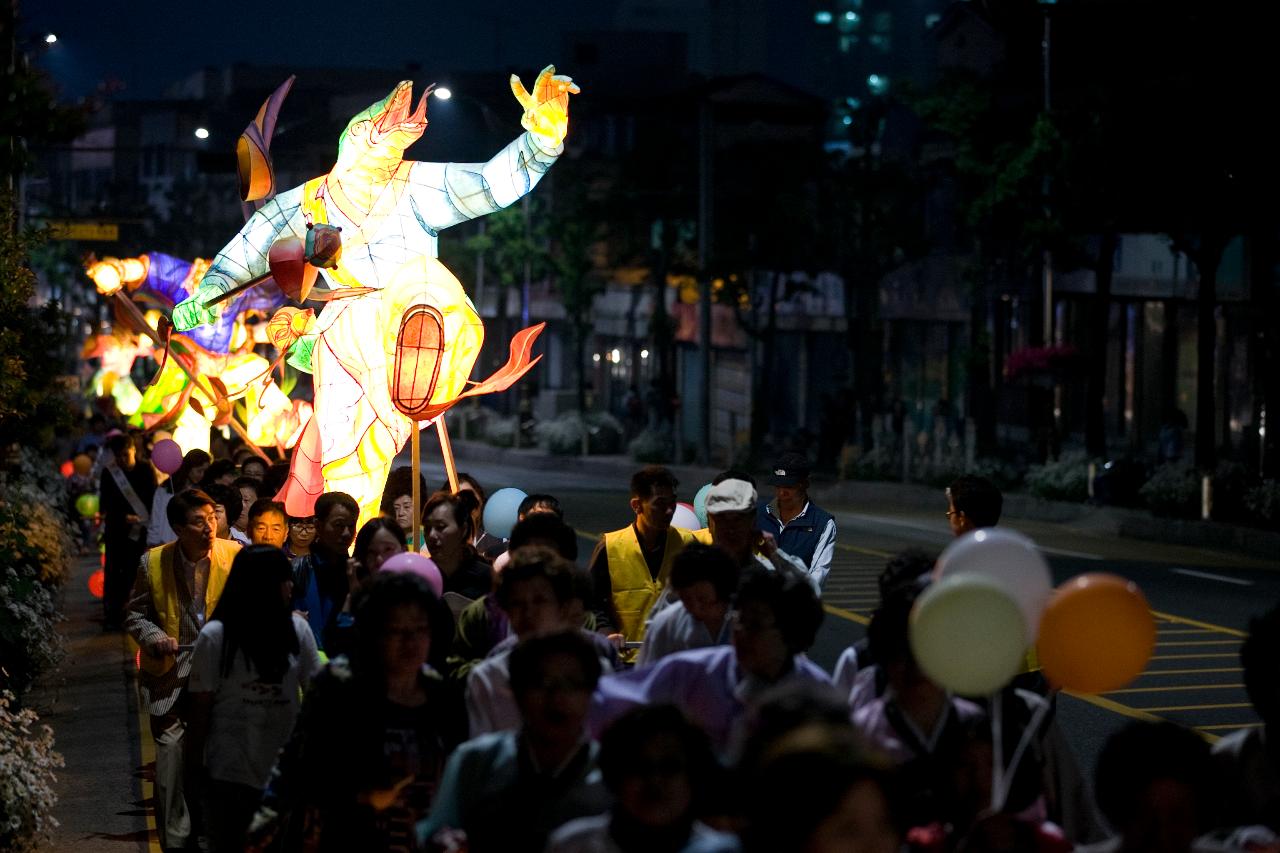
(1200, 643)
(846, 614)
(1175, 688)
(1115, 707)
(1196, 707)
(1195, 623)
(1191, 671)
(1187, 657)
(148, 755)
(1165, 632)
(1232, 726)
(870, 552)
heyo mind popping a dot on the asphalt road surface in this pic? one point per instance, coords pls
(1202, 599)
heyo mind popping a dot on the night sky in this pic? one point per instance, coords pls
(148, 44)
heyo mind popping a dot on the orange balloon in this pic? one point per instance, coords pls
(1096, 634)
(82, 464)
(97, 582)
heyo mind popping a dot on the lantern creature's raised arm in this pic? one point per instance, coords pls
(390, 210)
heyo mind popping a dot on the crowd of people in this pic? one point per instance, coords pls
(307, 692)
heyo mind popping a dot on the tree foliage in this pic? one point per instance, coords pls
(32, 341)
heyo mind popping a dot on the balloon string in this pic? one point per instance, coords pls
(1037, 719)
(997, 753)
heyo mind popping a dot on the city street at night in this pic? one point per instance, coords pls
(639, 426)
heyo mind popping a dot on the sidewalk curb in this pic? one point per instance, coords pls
(858, 495)
(619, 466)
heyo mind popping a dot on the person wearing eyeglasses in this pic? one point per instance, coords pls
(973, 503)
(302, 532)
(177, 586)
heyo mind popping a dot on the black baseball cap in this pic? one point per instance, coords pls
(789, 470)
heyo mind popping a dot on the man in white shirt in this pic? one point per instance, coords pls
(537, 593)
(801, 527)
(704, 579)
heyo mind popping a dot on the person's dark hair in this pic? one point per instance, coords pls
(1142, 753)
(790, 796)
(903, 569)
(789, 707)
(262, 506)
(370, 529)
(218, 468)
(117, 443)
(464, 477)
(372, 604)
(978, 498)
(529, 655)
(191, 460)
(256, 617)
(228, 498)
(541, 527)
(252, 482)
(551, 502)
(461, 504)
(326, 503)
(650, 477)
(623, 743)
(181, 504)
(887, 633)
(698, 562)
(277, 475)
(257, 462)
(400, 483)
(534, 561)
(796, 608)
(1260, 660)
(733, 474)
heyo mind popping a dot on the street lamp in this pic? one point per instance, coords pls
(202, 133)
(444, 93)
(51, 38)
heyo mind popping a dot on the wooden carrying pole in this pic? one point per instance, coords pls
(131, 310)
(446, 450)
(415, 446)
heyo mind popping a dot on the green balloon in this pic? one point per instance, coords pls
(87, 505)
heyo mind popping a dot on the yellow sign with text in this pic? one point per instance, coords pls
(67, 229)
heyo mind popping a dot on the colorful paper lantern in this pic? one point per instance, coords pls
(396, 342)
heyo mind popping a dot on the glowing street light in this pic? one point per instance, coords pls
(202, 133)
(50, 39)
(444, 93)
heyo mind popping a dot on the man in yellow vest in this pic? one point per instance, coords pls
(630, 567)
(177, 588)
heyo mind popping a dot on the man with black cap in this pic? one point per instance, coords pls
(801, 528)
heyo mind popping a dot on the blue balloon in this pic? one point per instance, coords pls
(700, 504)
(500, 512)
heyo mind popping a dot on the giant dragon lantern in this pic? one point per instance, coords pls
(394, 346)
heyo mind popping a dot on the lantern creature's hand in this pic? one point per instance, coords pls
(191, 312)
(546, 110)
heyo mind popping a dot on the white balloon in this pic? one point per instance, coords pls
(966, 633)
(685, 518)
(1010, 559)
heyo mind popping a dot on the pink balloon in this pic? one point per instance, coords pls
(166, 455)
(685, 518)
(416, 564)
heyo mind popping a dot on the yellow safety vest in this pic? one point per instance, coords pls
(635, 591)
(164, 592)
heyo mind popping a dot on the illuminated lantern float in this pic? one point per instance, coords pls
(394, 348)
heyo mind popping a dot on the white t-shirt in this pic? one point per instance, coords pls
(250, 720)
